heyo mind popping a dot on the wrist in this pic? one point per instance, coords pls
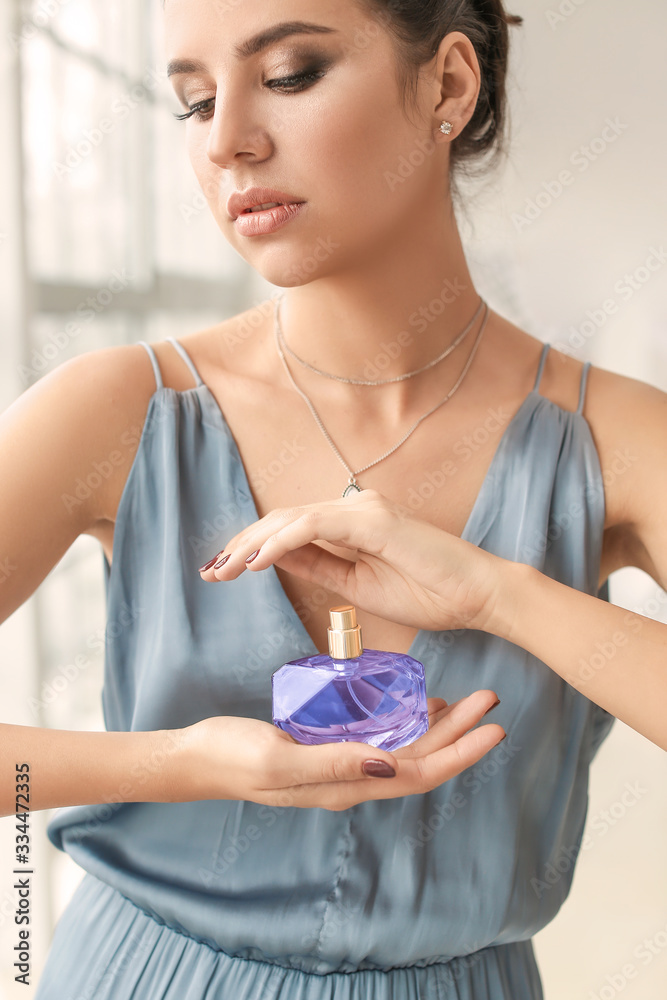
(163, 765)
(510, 583)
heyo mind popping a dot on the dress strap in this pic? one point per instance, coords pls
(584, 382)
(543, 358)
(156, 367)
(188, 360)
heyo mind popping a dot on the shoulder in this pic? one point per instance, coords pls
(236, 345)
(63, 444)
(97, 402)
(628, 422)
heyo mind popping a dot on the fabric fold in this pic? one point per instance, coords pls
(128, 955)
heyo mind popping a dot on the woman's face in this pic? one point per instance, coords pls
(337, 140)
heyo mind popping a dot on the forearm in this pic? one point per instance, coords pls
(69, 767)
(616, 658)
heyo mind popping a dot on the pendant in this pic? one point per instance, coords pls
(350, 488)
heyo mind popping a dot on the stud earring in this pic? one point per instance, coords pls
(446, 128)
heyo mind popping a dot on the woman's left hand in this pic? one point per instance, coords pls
(404, 569)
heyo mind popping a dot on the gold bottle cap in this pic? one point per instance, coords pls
(344, 634)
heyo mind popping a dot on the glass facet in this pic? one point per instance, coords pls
(377, 698)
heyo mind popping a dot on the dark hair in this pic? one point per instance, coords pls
(418, 27)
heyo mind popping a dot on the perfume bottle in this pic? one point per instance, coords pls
(365, 695)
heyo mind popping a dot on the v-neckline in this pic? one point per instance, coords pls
(423, 635)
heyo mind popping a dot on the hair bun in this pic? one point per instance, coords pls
(418, 27)
(495, 13)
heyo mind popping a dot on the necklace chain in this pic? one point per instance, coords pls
(382, 381)
(352, 483)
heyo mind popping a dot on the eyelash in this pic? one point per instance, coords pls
(302, 80)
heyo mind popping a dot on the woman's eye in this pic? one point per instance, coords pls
(203, 110)
(296, 82)
(196, 111)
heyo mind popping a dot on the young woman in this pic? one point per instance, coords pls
(477, 532)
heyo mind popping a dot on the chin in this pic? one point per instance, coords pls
(284, 267)
(284, 279)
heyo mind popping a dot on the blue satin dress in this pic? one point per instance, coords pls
(433, 896)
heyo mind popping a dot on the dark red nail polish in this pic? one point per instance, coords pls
(253, 556)
(202, 569)
(221, 562)
(378, 769)
(492, 706)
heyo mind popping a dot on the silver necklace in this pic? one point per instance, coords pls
(381, 381)
(352, 482)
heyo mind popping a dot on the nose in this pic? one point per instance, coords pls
(236, 133)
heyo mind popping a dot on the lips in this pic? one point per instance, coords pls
(243, 201)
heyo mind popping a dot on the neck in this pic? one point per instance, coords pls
(387, 318)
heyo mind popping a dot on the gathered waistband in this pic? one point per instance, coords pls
(105, 947)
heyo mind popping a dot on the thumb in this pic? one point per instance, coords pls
(338, 761)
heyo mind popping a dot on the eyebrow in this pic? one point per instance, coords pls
(252, 46)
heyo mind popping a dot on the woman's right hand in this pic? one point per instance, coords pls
(227, 757)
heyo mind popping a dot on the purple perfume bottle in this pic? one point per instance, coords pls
(364, 695)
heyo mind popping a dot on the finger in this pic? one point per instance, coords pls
(367, 530)
(252, 536)
(413, 776)
(259, 528)
(319, 566)
(450, 723)
(299, 765)
(296, 764)
(435, 706)
(440, 713)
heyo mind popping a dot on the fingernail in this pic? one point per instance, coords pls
(378, 769)
(202, 569)
(497, 702)
(221, 562)
(253, 556)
